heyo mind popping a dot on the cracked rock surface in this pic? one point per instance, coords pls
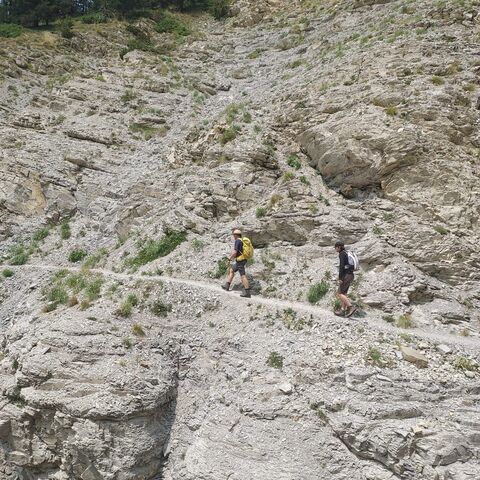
(301, 122)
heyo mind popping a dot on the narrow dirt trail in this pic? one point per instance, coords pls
(372, 320)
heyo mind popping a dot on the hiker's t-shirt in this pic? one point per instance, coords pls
(238, 247)
(344, 266)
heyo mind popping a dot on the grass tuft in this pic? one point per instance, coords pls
(154, 249)
(317, 292)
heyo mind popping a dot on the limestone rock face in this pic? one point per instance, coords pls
(302, 123)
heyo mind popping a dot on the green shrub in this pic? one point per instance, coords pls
(10, 30)
(317, 292)
(436, 80)
(76, 282)
(19, 255)
(374, 356)
(77, 255)
(94, 288)
(154, 249)
(84, 304)
(139, 44)
(65, 232)
(293, 161)
(391, 110)
(170, 23)
(260, 212)
(405, 321)
(127, 343)
(7, 272)
(198, 245)
(441, 230)
(229, 134)
(160, 309)
(41, 234)
(128, 96)
(219, 8)
(275, 360)
(304, 180)
(222, 268)
(57, 295)
(287, 176)
(65, 27)
(124, 310)
(138, 330)
(92, 260)
(463, 363)
(94, 17)
(132, 299)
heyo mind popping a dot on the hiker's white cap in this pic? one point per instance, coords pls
(237, 232)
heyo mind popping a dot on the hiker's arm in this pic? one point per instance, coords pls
(233, 256)
(341, 268)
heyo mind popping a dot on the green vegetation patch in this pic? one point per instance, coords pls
(19, 255)
(222, 268)
(77, 255)
(65, 232)
(317, 292)
(170, 23)
(65, 287)
(160, 309)
(275, 360)
(154, 249)
(10, 30)
(7, 272)
(41, 234)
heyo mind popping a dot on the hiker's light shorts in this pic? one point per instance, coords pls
(239, 267)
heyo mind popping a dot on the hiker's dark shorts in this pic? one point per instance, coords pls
(345, 283)
(239, 267)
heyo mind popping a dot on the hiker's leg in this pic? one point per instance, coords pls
(245, 282)
(346, 303)
(230, 276)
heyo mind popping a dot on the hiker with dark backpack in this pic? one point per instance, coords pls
(241, 253)
(348, 263)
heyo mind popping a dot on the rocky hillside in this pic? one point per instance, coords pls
(122, 172)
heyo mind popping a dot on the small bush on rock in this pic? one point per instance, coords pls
(65, 232)
(19, 255)
(138, 330)
(154, 249)
(219, 8)
(260, 212)
(222, 268)
(41, 234)
(293, 161)
(275, 360)
(170, 23)
(7, 272)
(77, 255)
(405, 321)
(317, 292)
(465, 364)
(160, 309)
(65, 28)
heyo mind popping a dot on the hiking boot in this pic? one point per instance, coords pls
(226, 286)
(339, 312)
(245, 293)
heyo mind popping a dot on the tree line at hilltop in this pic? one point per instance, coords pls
(34, 13)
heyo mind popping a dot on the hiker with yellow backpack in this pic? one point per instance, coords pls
(241, 253)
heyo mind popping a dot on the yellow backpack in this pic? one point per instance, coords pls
(247, 249)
